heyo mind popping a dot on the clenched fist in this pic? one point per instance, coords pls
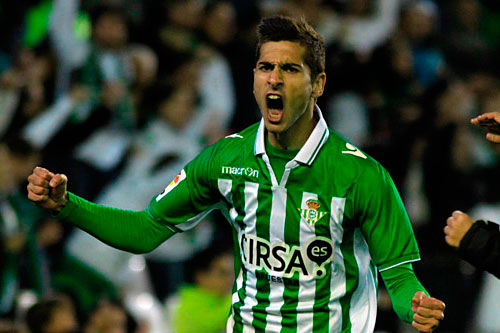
(429, 312)
(47, 190)
(456, 227)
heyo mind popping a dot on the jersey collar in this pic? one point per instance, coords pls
(309, 150)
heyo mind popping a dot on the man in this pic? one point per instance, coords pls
(52, 315)
(313, 216)
(201, 304)
(477, 242)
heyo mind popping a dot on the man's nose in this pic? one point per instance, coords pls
(275, 77)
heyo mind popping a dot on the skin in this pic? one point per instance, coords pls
(457, 226)
(108, 318)
(495, 138)
(218, 278)
(47, 190)
(281, 70)
(429, 312)
(62, 320)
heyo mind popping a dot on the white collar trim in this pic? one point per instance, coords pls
(309, 150)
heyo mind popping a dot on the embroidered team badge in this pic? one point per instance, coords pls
(180, 177)
(312, 214)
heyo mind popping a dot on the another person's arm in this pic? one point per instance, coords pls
(477, 242)
(493, 128)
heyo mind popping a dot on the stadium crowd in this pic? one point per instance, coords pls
(120, 94)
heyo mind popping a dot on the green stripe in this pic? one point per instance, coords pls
(321, 313)
(351, 274)
(238, 202)
(291, 292)
(264, 198)
(237, 258)
(289, 308)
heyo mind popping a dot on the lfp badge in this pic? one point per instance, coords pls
(312, 213)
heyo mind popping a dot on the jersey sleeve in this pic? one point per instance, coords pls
(384, 221)
(190, 195)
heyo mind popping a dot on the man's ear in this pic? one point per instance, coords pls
(318, 85)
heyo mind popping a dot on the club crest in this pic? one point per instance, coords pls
(312, 214)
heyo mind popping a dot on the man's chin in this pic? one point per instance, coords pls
(275, 126)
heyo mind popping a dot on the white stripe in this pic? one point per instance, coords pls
(230, 323)
(239, 285)
(277, 235)
(193, 221)
(250, 221)
(248, 329)
(338, 281)
(288, 167)
(225, 186)
(307, 285)
(399, 263)
(270, 169)
(364, 299)
(230, 326)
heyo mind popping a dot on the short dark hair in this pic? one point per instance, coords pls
(40, 314)
(19, 146)
(101, 10)
(203, 260)
(283, 28)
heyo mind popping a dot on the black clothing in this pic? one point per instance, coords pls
(481, 247)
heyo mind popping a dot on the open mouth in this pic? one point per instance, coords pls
(274, 102)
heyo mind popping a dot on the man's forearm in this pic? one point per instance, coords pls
(401, 284)
(131, 231)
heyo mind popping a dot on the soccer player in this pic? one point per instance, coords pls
(314, 218)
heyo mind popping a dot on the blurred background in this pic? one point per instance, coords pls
(120, 94)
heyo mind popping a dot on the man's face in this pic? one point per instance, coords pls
(110, 31)
(63, 320)
(283, 87)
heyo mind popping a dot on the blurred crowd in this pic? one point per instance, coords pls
(120, 94)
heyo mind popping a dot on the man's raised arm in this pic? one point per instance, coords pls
(132, 231)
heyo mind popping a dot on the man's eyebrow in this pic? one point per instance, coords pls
(265, 63)
(290, 64)
(281, 64)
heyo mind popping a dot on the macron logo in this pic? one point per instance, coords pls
(250, 172)
(353, 151)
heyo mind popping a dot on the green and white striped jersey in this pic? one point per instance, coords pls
(308, 244)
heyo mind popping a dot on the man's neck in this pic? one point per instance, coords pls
(296, 136)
